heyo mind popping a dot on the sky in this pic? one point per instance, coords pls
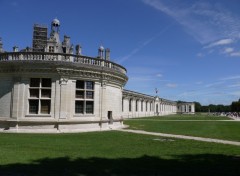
(188, 50)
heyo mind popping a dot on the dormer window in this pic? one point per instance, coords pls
(51, 49)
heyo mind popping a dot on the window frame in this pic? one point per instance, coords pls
(40, 95)
(88, 96)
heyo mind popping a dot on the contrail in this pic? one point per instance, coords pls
(146, 42)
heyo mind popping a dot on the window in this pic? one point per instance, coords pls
(146, 106)
(136, 105)
(122, 104)
(84, 97)
(130, 105)
(40, 96)
(142, 105)
(79, 105)
(51, 49)
(190, 108)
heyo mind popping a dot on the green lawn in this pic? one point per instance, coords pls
(113, 153)
(120, 153)
(192, 125)
(198, 116)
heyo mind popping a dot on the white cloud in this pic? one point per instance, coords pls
(171, 85)
(220, 43)
(228, 50)
(234, 85)
(235, 54)
(214, 84)
(231, 78)
(200, 54)
(206, 22)
(159, 75)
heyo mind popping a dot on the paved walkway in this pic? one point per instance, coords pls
(182, 137)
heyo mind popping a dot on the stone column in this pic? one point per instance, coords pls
(64, 99)
(15, 97)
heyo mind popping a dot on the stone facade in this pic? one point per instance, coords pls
(58, 91)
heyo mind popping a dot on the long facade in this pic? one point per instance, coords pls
(52, 87)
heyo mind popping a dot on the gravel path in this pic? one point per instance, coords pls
(182, 137)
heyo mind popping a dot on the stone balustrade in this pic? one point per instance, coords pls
(46, 56)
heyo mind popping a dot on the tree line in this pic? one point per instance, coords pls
(233, 107)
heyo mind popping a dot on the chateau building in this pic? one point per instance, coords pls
(52, 87)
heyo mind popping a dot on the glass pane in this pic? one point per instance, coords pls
(34, 82)
(79, 107)
(89, 107)
(89, 85)
(33, 106)
(89, 95)
(45, 106)
(34, 93)
(46, 82)
(46, 93)
(80, 94)
(80, 84)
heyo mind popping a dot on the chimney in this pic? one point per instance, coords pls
(107, 54)
(100, 52)
(78, 50)
(15, 49)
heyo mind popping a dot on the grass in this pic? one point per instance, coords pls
(113, 153)
(192, 125)
(120, 153)
(196, 117)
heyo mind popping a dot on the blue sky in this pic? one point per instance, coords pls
(189, 50)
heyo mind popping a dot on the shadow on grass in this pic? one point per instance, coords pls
(205, 164)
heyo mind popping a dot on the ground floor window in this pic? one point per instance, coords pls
(40, 96)
(84, 97)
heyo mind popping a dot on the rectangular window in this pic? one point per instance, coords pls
(80, 94)
(89, 107)
(136, 105)
(89, 85)
(46, 82)
(46, 93)
(33, 106)
(51, 49)
(40, 95)
(79, 106)
(130, 105)
(84, 97)
(34, 93)
(35, 82)
(80, 84)
(89, 94)
(45, 107)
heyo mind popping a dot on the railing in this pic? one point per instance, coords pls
(12, 56)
